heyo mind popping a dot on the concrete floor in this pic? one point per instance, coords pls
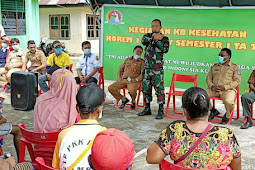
(142, 130)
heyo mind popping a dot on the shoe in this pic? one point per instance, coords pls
(8, 88)
(224, 120)
(132, 106)
(214, 112)
(160, 114)
(146, 110)
(123, 103)
(247, 124)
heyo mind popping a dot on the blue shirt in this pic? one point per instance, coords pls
(3, 57)
(87, 64)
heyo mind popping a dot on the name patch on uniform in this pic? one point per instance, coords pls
(216, 69)
(238, 72)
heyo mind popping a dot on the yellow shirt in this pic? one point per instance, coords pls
(62, 61)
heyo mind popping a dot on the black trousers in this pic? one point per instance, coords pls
(91, 79)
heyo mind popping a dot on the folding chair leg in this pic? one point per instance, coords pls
(174, 106)
(167, 106)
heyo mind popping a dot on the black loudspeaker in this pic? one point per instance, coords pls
(24, 90)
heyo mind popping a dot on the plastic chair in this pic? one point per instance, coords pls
(35, 138)
(42, 165)
(100, 82)
(1, 151)
(165, 165)
(71, 67)
(173, 92)
(137, 101)
(236, 101)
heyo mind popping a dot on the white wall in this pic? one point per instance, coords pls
(78, 27)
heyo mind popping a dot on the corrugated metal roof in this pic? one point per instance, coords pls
(61, 2)
(213, 3)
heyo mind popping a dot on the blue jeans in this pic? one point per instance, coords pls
(42, 83)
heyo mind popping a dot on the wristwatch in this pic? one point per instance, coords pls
(136, 79)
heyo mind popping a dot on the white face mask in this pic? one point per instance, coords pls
(136, 56)
(100, 114)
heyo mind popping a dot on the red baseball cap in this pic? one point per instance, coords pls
(112, 150)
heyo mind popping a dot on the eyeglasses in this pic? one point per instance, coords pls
(92, 167)
(58, 46)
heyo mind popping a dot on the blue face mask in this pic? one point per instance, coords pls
(15, 47)
(221, 60)
(58, 50)
(87, 51)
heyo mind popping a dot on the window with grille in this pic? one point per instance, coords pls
(60, 27)
(13, 17)
(92, 27)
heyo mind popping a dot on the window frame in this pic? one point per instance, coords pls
(95, 25)
(16, 17)
(59, 27)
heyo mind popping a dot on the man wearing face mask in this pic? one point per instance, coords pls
(130, 76)
(222, 80)
(87, 66)
(15, 61)
(153, 74)
(58, 59)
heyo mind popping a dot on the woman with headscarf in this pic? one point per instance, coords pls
(55, 109)
(74, 143)
(195, 143)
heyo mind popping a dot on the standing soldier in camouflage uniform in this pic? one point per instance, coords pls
(153, 74)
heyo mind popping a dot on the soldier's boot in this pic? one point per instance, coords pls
(160, 114)
(146, 110)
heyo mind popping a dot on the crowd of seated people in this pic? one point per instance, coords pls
(61, 108)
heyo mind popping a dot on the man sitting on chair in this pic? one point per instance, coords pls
(222, 80)
(87, 65)
(129, 75)
(58, 59)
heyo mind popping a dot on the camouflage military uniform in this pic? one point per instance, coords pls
(153, 73)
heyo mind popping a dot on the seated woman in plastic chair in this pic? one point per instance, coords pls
(55, 109)
(218, 147)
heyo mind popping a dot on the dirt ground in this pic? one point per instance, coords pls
(142, 130)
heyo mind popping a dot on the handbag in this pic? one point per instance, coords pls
(209, 127)
(53, 68)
